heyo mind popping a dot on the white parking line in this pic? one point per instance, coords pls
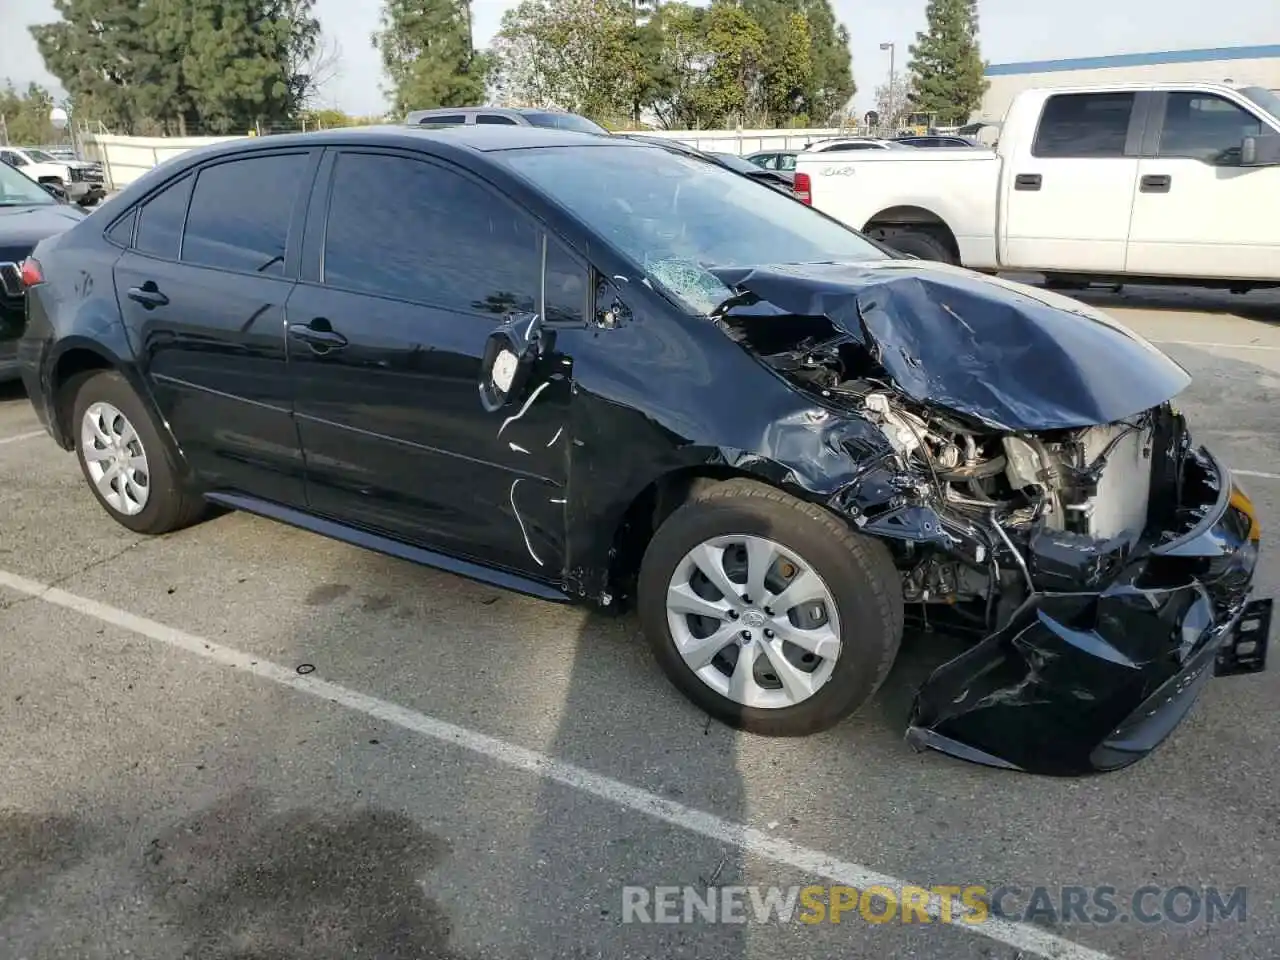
(815, 863)
(1256, 473)
(23, 436)
(1219, 346)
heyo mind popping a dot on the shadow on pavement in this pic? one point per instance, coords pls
(1262, 306)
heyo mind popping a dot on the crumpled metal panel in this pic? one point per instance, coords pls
(975, 345)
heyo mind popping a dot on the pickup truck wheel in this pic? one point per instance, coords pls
(769, 613)
(123, 458)
(918, 242)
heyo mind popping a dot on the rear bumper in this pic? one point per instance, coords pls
(1086, 682)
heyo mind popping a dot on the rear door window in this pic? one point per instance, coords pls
(494, 118)
(240, 213)
(159, 231)
(1084, 125)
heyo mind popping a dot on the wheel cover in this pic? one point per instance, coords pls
(753, 621)
(115, 459)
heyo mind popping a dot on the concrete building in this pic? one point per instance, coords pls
(1242, 66)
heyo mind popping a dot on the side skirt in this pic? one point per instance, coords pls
(392, 548)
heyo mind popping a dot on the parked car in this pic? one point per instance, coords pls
(784, 161)
(28, 213)
(848, 144)
(80, 181)
(777, 179)
(937, 140)
(503, 116)
(1174, 182)
(590, 369)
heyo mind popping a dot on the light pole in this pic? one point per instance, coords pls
(893, 80)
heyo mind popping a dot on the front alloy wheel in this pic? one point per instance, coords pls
(115, 458)
(753, 621)
(770, 613)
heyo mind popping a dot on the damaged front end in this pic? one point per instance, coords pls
(1041, 496)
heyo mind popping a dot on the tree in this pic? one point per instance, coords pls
(181, 65)
(24, 117)
(677, 72)
(427, 55)
(946, 66)
(827, 76)
(571, 54)
(893, 103)
(99, 51)
(735, 45)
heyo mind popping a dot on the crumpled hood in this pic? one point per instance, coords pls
(1010, 355)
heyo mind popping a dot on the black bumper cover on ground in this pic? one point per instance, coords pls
(1087, 682)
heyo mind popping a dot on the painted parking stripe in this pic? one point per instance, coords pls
(23, 436)
(760, 843)
(1218, 346)
(1255, 473)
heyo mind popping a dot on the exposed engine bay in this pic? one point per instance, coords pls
(1052, 498)
(1038, 493)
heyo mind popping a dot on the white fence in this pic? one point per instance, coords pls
(124, 159)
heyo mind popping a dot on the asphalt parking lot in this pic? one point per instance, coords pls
(468, 774)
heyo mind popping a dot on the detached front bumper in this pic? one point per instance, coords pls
(1087, 682)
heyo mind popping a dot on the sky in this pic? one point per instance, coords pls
(1011, 30)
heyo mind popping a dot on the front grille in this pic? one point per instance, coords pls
(76, 174)
(10, 280)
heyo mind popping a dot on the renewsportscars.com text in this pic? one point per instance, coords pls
(967, 904)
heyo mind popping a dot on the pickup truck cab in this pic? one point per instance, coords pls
(1172, 182)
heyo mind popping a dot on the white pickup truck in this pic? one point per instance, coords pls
(78, 180)
(1172, 182)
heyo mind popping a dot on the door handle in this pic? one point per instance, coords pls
(1027, 181)
(318, 335)
(1156, 183)
(148, 295)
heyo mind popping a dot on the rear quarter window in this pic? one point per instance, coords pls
(159, 231)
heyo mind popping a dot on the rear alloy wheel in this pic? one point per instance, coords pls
(124, 459)
(768, 612)
(114, 458)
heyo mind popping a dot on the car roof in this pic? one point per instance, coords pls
(516, 111)
(459, 144)
(479, 139)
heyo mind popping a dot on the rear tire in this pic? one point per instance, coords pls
(918, 242)
(794, 686)
(124, 459)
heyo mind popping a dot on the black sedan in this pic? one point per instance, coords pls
(29, 212)
(594, 370)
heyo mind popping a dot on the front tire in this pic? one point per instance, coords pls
(123, 458)
(769, 613)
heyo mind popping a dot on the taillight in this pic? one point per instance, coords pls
(32, 273)
(803, 188)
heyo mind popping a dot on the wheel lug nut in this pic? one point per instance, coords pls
(768, 611)
(745, 598)
(746, 634)
(769, 634)
(733, 614)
